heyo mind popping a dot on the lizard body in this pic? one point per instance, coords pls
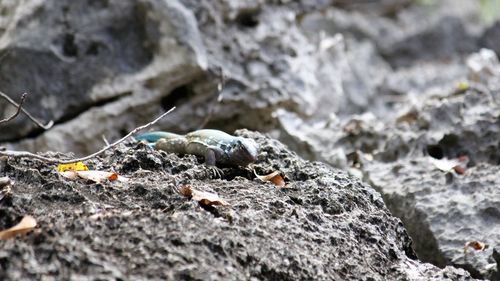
(215, 146)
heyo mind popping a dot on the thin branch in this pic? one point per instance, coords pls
(22, 154)
(106, 142)
(19, 106)
(38, 123)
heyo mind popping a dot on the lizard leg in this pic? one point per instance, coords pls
(211, 156)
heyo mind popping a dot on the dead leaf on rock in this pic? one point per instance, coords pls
(93, 175)
(203, 197)
(476, 245)
(458, 165)
(274, 177)
(186, 190)
(24, 226)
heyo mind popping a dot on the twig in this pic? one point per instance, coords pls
(21, 154)
(106, 142)
(19, 106)
(45, 127)
(220, 87)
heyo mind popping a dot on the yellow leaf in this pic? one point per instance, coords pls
(462, 86)
(77, 166)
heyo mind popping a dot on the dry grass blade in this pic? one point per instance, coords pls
(24, 226)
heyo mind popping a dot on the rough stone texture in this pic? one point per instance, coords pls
(442, 210)
(71, 56)
(323, 225)
(355, 84)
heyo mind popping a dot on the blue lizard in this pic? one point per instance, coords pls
(215, 146)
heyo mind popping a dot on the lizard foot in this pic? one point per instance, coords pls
(217, 172)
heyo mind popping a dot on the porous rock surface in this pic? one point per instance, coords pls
(323, 225)
(83, 63)
(360, 85)
(441, 210)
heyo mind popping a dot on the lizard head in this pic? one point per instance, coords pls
(244, 151)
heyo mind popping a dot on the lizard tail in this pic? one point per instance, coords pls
(152, 137)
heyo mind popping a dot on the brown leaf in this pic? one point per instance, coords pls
(476, 245)
(186, 190)
(113, 176)
(274, 177)
(203, 197)
(25, 225)
(459, 170)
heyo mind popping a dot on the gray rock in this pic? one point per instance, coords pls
(443, 211)
(71, 56)
(323, 225)
(490, 37)
(315, 76)
(447, 39)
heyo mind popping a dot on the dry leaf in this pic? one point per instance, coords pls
(274, 177)
(69, 175)
(203, 197)
(458, 165)
(93, 175)
(25, 225)
(114, 176)
(476, 245)
(186, 190)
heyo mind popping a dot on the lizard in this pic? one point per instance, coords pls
(217, 147)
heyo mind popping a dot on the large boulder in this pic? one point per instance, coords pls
(75, 56)
(323, 225)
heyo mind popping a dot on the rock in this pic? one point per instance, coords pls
(438, 118)
(448, 38)
(348, 87)
(490, 37)
(483, 65)
(322, 225)
(443, 211)
(71, 57)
